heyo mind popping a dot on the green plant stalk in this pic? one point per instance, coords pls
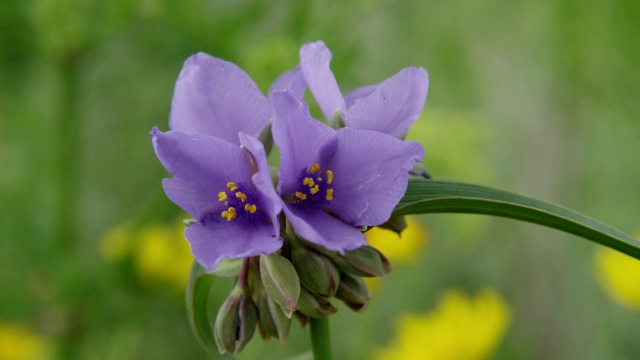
(320, 339)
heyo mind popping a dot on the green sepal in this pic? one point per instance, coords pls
(281, 281)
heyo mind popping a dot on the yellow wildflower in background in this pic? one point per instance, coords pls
(159, 251)
(163, 255)
(460, 328)
(17, 342)
(618, 274)
(401, 249)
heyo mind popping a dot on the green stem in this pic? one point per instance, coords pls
(320, 339)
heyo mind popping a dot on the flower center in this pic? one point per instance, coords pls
(315, 186)
(241, 203)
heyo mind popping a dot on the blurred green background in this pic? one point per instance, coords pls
(538, 97)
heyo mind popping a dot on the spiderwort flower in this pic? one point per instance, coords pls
(215, 97)
(390, 107)
(335, 182)
(227, 189)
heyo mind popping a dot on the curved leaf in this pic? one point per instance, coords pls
(199, 309)
(430, 196)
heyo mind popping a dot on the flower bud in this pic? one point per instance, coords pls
(314, 306)
(281, 281)
(364, 261)
(271, 320)
(317, 273)
(353, 292)
(397, 224)
(236, 322)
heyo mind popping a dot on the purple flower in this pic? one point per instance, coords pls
(390, 107)
(334, 182)
(227, 188)
(215, 97)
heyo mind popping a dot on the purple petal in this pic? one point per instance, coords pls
(302, 141)
(314, 62)
(215, 241)
(292, 80)
(358, 94)
(202, 166)
(217, 98)
(394, 106)
(271, 202)
(370, 175)
(320, 228)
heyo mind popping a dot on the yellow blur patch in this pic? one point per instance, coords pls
(232, 186)
(314, 190)
(329, 177)
(314, 168)
(160, 253)
(402, 249)
(618, 275)
(116, 243)
(300, 195)
(460, 327)
(17, 342)
(222, 196)
(250, 208)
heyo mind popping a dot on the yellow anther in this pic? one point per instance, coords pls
(319, 179)
(329, 195)
(308, 181)
(229, 214)
(314, 168)
(300, 195)
(250, 208)
(329, 176)
(314, 190)
(222, 196)
(232, 186)
(241, 196)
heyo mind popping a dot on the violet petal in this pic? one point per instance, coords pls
(217, 98)
(394, 106)
(314, 62)
(370, 175)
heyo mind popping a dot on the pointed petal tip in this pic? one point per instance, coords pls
(155, 132)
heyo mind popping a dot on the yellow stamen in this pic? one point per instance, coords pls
(314, 190)
(314, 168)
(319, 179)
(329, 195)
(329, 176)
(229, 214)
(308, 181)
(300, 195)
(222, 196)
(241, 196)
(232, 186)
(250, 208)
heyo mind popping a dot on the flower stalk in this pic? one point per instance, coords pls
(320, 339)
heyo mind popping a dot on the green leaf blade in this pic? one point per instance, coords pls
(430, 196)
(199, 308)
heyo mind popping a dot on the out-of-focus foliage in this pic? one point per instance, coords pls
(536, 97)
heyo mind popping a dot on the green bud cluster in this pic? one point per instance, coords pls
(298, 281)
